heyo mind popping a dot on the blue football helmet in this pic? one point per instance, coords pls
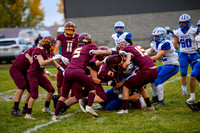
(119, 24)
(184, 18)
(159, 33)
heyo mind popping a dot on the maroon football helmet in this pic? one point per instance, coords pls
(48, 43)
(84, 38)
(114, 60)
(121, 44)
(101, 57)
(70, 26)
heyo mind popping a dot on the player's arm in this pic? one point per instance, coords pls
(129, 41)
(43, 62)
(160, 54)
(175, 41)
(125, 65)
(128, 38)
(94, 77)
(150, 50)
(103, 52)
(56, 50)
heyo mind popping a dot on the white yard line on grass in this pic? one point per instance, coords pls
(7, 92)
(173, 80)
(48, 123)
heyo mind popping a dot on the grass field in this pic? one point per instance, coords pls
(175, 117)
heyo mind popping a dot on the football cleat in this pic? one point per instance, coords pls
(54, 118)
(154, 99)
(143, 104)
(123, 111)
(161, 103)
(192, 106)
(47, 110)
(91, 110)
(184, 94)
(16, 112)
(29, 116)
(149, 108)
(191, 99)
(82, 105)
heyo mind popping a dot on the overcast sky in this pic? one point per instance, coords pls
(51, 14)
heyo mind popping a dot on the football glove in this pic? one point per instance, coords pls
(55, 57)
(65, 60)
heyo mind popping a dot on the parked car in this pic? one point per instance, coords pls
(10, 48)
(31, 34)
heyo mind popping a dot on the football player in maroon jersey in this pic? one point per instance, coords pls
(75, 71)
(18, 72)
(147, 73)
(66, 43)
(41, 57)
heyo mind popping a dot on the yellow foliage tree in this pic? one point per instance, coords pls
(60, 7)
(20, 13)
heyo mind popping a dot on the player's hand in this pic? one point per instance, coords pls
(55, 57)
(53, 77)
(65, 60)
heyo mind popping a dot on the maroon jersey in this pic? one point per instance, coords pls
(81, 56)
(35, 68)
(106, 73)
(68, 44)
(21, 62)
(140, 57)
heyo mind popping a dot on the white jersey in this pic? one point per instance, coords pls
(171, 57)
(120, 38)
(186, 39)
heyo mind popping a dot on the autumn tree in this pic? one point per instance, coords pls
(20, 13)
(60, 7)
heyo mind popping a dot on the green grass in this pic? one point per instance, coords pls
(175, 117)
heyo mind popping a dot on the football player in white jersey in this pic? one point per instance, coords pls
(187, 36)
(120, 34)
(165, 51)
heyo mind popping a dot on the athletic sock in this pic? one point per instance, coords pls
(47, 104)
(29, 110)
(91, 96)
(148, 102)
(16, 105)
(25, 106)
(184, 88)
(125, 105)
(192, 95)
(160, 92)
(153, 87)
(59, 106)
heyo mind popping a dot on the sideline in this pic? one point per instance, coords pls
(48, 123)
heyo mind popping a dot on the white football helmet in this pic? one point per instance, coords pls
(158, 32)
(119, 24)
(184, 18)
(167, 28)
(198, 23)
